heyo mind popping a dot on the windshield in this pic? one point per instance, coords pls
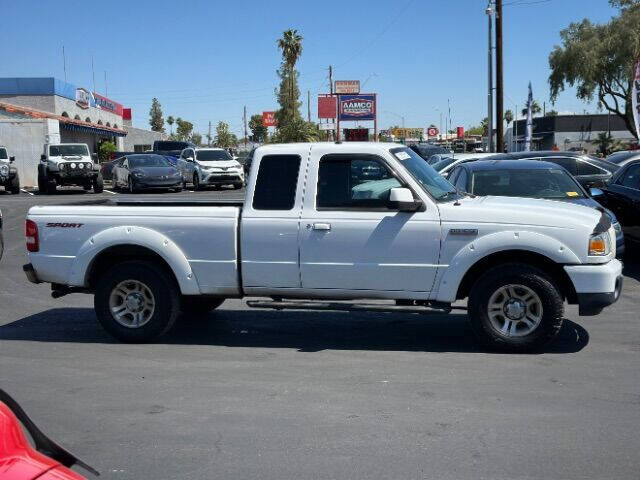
(212, 155)
(436, 185)
(68, 150)
(443, 163)
(3, 154)
(533, 183)
(148, 161)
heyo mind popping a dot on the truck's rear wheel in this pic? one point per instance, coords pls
(515, 307)
(199, 306)
(136, 301)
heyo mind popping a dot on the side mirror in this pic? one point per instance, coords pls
(12, 159)
(94, 157)
(401, 199)
(190, 159)
(595, 192)
(43, 158)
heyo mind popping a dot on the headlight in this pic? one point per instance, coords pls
(73, 165)
(176, 174)
(4, 170)
(617, 228)
(138, 174)
(81, 165)
(599, 245)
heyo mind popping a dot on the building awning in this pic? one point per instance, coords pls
(65, 122)
(92, 128)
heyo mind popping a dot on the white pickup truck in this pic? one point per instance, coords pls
(324, 223)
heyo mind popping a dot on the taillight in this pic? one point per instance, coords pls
(31, 235)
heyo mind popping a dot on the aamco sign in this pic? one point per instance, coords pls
(357, 107)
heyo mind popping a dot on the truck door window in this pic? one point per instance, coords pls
(360, 182)
(461, 181)
(276, 183)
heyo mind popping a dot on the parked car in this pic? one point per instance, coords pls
(624, 157)
(446, 162)
(9, 178)
(307, 230)
(106, 169)
(209, 167)
(68, 164)
(528, 178)
(426, 150)
(589, 171)
(35, 456)
(622, 196)
(171, 148)
(246, 165)
(146, 171)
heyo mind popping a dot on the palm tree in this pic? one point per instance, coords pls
(535, 109)
(291, 46)
(508, 117)
(170, 121)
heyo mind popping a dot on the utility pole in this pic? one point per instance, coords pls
(308, 105)
(244, 119)
(331, 79)
(490, 148)
(64, 63)
(209, 135)
(337, 132)
(499, 81)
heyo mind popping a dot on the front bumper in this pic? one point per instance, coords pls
(159, 184)
(596, 286)
(222, 178)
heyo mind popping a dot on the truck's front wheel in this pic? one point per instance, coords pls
(136, 301)
(98, 184)
(516, 307)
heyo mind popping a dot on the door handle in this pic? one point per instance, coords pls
(324, 227)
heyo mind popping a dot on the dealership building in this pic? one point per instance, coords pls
(35, 111)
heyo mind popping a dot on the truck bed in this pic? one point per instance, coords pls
(154, 202)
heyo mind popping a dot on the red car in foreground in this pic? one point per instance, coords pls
(41, 458)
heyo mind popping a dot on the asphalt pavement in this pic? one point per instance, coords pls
(249, 394)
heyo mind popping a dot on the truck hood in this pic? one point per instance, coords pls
(520, 211)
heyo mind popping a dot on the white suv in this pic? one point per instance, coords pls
(209, 166)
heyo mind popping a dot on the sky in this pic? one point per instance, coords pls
(206, 60)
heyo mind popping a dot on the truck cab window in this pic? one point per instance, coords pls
(276, 183)
(354, 182)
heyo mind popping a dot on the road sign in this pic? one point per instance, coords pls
(357, 107)
(432, 132)
(327, 126)
(347, 87)
(327, 106)
(269, 119)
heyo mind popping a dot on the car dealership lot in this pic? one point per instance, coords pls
(260, 394)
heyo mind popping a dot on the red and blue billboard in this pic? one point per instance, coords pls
(357, 107)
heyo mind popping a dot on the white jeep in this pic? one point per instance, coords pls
(68, 164)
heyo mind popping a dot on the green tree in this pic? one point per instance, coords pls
(288, 93)
(155, 116)
(552, 113)
(258, 131)
(170, 122)
(598, 59)
(196, 138)
(297, 130)
(105, 150)
(535, 109)
(508, 117)
(224, 138)
(183, 129)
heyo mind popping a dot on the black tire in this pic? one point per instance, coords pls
(131, 187)
(165, 292)
(51, 186)
(98, 184)
(42, 179)
(15, 185)
(87, 186)
(196, 182)
(192, 306)
(542, 285)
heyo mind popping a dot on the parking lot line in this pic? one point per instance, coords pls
(26, 191)
(109, 191)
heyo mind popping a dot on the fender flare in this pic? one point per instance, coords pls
(509, 240)
(139, 236)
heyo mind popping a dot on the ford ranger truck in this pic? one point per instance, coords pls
(68, 164)
(317, 227)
